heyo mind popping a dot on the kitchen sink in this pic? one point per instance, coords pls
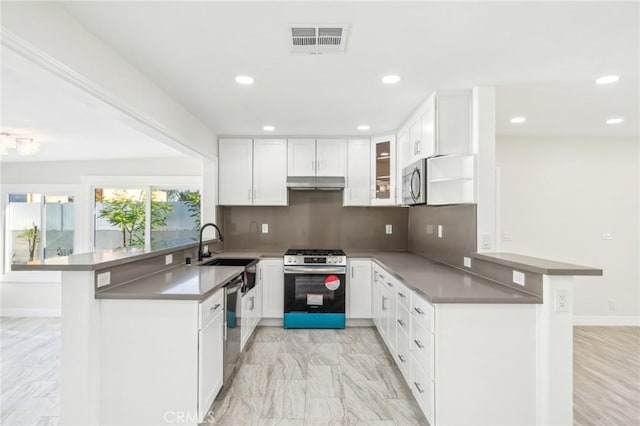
(229, 262)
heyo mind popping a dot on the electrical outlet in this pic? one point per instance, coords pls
(265, 228)
(104, 279)
(168, 259)
(507, 236)
(518, 277)
(607, 236)
(467, 262)
(562, 300)
(205, 249)
(440, 230)
(429, 229)
(612, 305)
(486, 240)
(388, 229)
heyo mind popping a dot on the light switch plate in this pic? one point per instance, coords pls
(486, 240)
(265, 228)
(388, 229)
(104, 279)
(440, 231)
(429, 229)
(168, 259)
(518, 277)
(205, 249)
(467, 262)
(507, 236)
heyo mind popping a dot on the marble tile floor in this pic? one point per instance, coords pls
(317, 377)
(324, 377)
(29, 371)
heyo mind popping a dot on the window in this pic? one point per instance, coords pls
(38, 227)
(149, 217)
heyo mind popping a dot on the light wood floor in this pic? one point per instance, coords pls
(606, 378)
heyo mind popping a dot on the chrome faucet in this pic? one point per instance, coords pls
(200, 254)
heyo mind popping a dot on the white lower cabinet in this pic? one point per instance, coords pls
(271, 278)
(359, 289)
(250, 314)
(210, 352)
(423, 389)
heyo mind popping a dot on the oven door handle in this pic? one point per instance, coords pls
(308, 270)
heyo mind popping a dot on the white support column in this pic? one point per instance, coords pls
(80, 350)
(554, 348)
(484, 143)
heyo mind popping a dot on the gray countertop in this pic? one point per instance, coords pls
(536, 264)
(179, 283)
(439, 283)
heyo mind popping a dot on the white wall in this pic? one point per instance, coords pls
(558, 196)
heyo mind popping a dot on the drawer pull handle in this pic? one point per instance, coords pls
(418, 344)
(401, 294)
(214, 307)
(418, 310)
(402, 358)
(402, 323)
(417, 385)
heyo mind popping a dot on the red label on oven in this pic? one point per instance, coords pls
(332, 282)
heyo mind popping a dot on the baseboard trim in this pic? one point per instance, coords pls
(606, 320)
(30, 313)
(351, 322)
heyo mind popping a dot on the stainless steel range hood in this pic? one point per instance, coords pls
(310, 183)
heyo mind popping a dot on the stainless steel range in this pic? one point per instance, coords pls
(314, 288)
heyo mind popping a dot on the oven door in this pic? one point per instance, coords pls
(314, 289)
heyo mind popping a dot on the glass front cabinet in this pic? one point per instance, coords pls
(383, 170)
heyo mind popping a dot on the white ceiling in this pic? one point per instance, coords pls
(543, 58)
(69, 123)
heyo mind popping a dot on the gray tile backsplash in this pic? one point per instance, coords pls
(315, 219)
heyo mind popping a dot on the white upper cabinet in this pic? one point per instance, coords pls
(252, 172)
(269, 172)
(383, 171)
(302, 157)
(235, 172)
(322, 157)
(331, 157)
(358, 187)
(441, 126)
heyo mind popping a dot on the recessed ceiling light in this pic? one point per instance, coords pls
(244, 79)
(615, 120)
(268, 128)
(391, 79)
(607, 79)
(363, 127)
(518, 120)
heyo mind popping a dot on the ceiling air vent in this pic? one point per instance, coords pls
(318, 39)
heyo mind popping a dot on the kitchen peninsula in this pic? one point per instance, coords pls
(491, 347)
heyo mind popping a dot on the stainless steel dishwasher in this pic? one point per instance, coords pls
(233, 326)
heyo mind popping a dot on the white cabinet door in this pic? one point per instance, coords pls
(359, 285)
(428, 130)
(301, 155)
(271, 275)
(383, 170)
(453, 122)
(269, 172)
(210, 363)
(415, 139)
(357, 190)
(235, 158)
(331, 157)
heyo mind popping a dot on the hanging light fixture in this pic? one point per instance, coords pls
(23, 146)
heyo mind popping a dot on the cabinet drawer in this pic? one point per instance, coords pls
(403, 295)
(423, 388)
(403, 355)
(422, 342)
(403, 319)
(208, 309)
(422, 311)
